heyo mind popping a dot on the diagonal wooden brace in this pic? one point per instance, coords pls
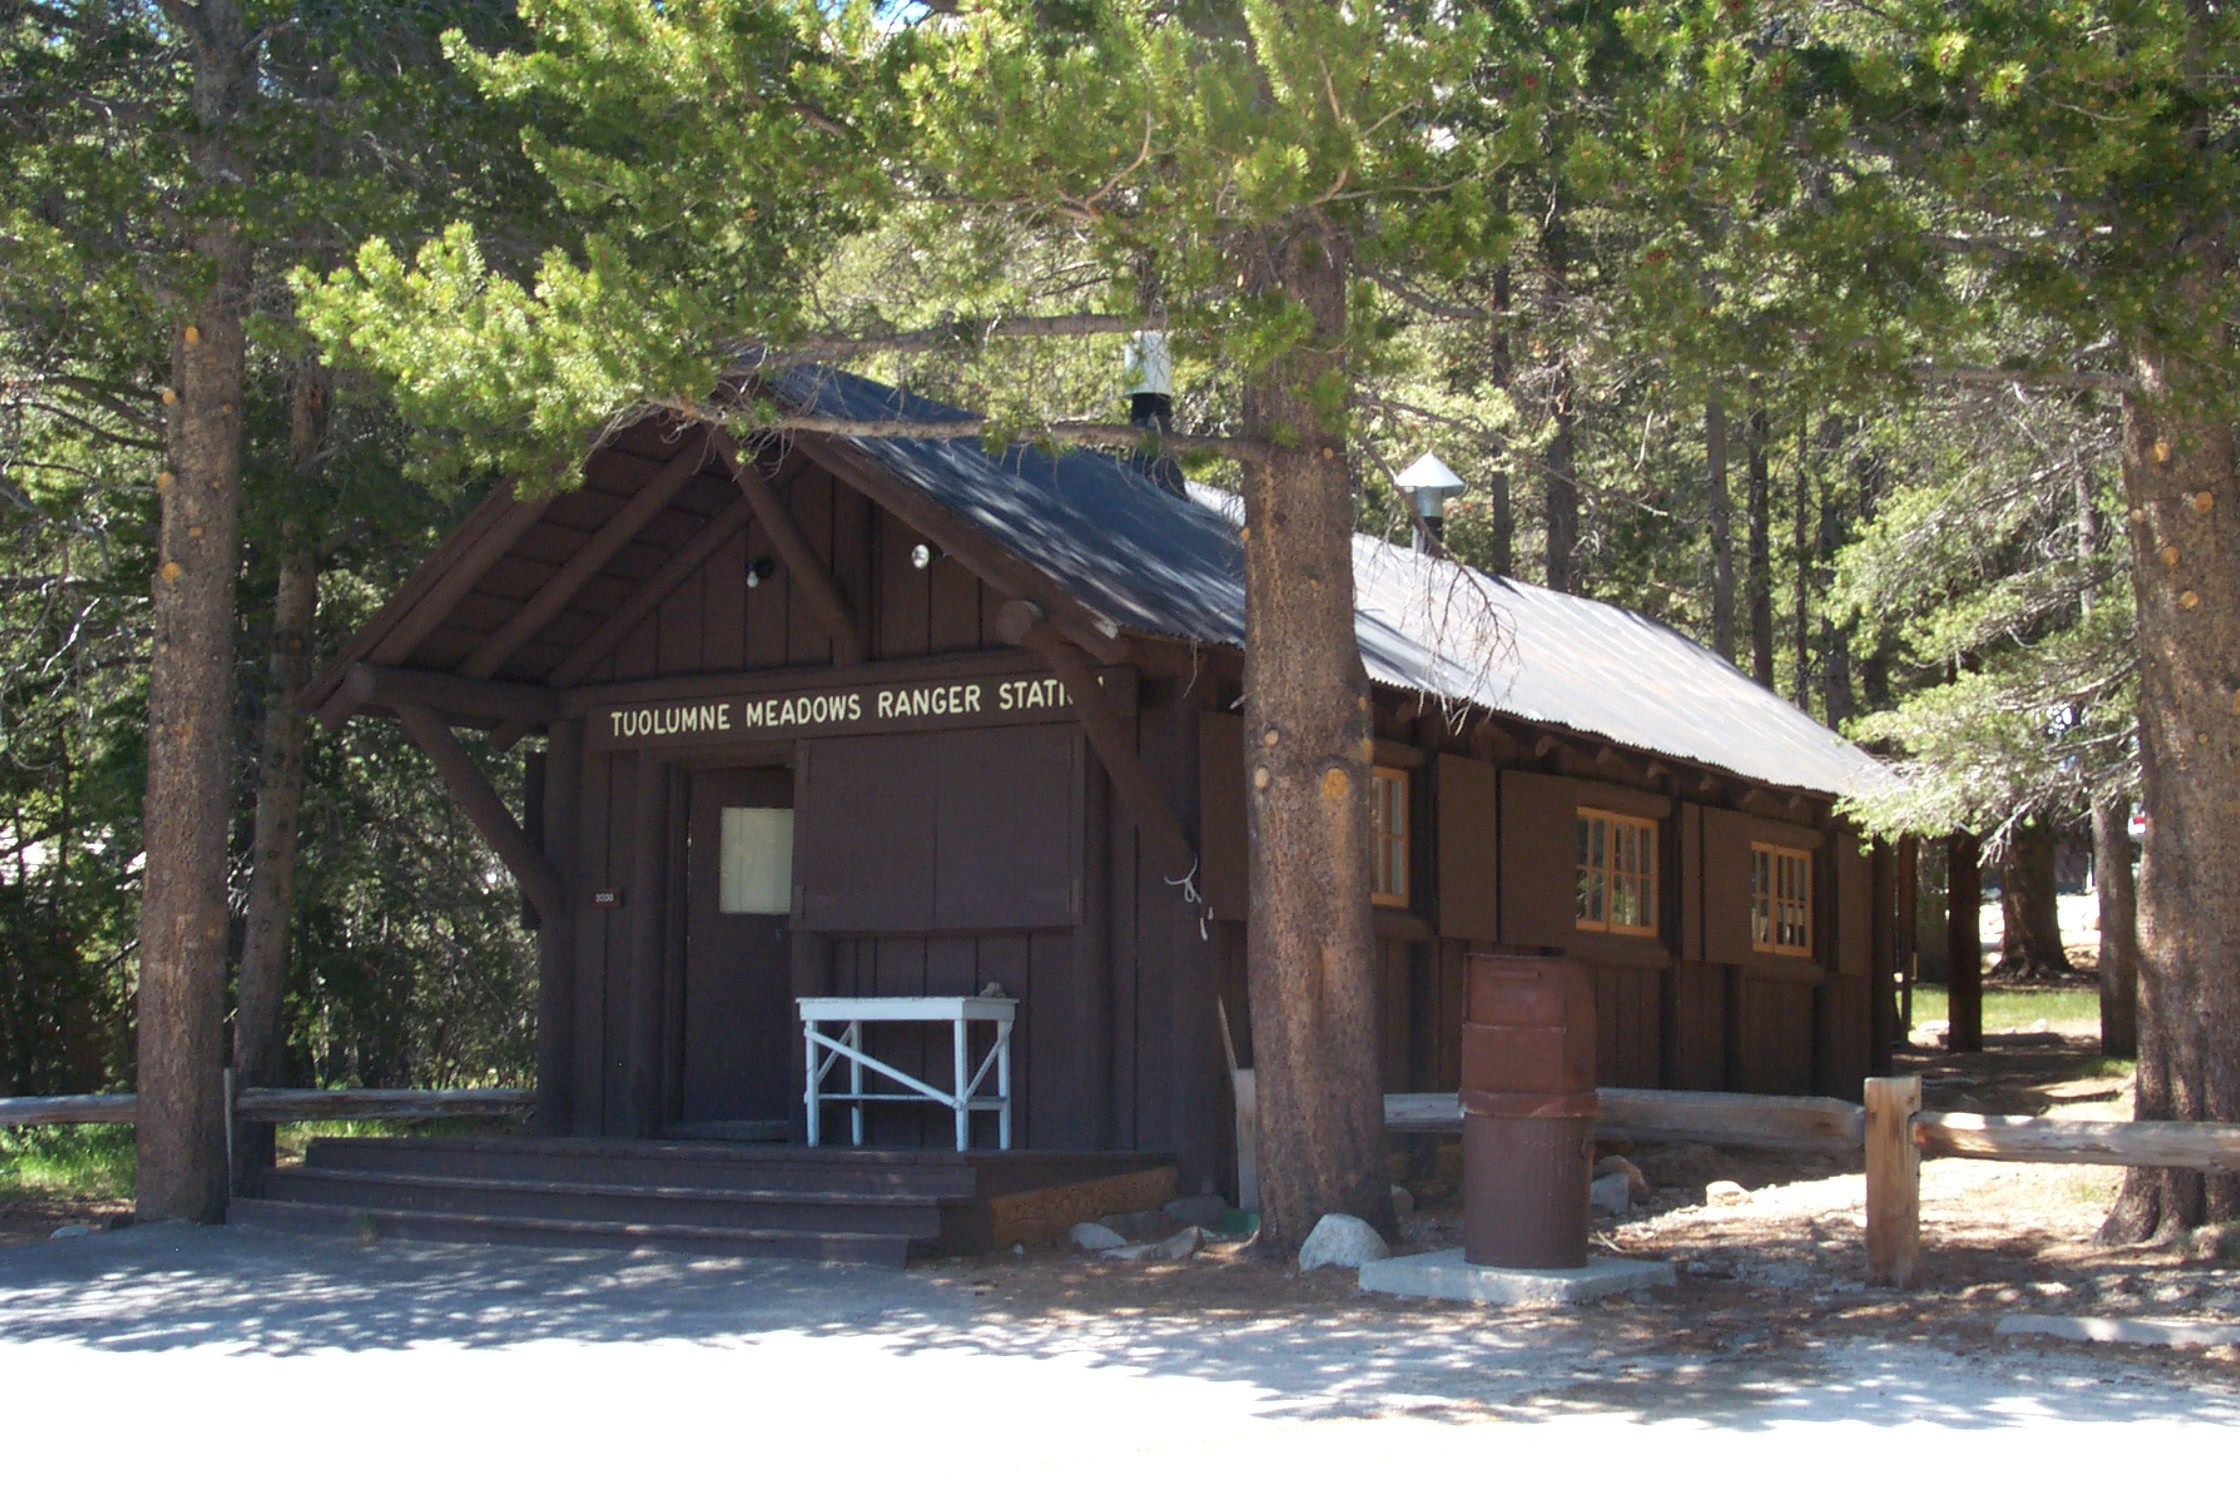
(1021, 623)
(803, 566)
(485, 809)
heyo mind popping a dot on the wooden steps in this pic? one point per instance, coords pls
(699, 1197)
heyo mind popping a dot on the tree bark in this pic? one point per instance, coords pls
(1758, 584)
(1497, 488)
(1964, 944)
(1561, 466)
(2029, 907)
(2119, 947)
(1719, 516)
(1560, 461)
(2178, 474)
(1309, 944)
(183, 919)
(259, 1035)
(1837, 704)
(1800, 541)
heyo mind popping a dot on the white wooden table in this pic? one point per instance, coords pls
(826, 1049)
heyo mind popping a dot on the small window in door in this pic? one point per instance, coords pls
(755, 857)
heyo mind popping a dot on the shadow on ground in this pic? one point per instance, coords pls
(260, 1294)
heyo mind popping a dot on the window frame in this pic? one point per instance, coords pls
(1771, 944)
(1649, 873)
(1388, 845)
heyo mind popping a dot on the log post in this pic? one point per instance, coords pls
(1882, 947)
(1893, 1181)
(556, 934)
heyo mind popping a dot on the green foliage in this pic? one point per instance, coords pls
(76, 1161)
(357, 126)
(1999, 562)
(1160, 146)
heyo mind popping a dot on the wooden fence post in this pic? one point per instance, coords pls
(1893, 1181)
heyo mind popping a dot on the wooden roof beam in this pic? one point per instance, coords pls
(682, 564)
(366, 686)
(803, 566)
(1021, 623)
(485, 809)
(459, 579)
(538, 610)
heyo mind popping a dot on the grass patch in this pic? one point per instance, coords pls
(73, 1161)
(2012, 1009)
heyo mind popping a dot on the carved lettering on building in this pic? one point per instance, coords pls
(869, 709)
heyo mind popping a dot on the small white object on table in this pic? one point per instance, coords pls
(826, 1049)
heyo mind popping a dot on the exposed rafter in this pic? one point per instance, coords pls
(538, 610)
(804, 568)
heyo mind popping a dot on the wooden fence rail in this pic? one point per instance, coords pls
(278, 1106)
(1895, 1132)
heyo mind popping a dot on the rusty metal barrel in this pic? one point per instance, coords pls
(1528, 1107)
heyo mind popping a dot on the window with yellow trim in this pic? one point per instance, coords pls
(1388, 837)
(1781, 900)
(1617, 873)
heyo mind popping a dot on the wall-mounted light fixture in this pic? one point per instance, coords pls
(923, 555)
(759, 569)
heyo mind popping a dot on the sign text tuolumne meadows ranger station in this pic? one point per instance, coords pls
(850, 708)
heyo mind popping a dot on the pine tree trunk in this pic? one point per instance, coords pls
(1497, 487)
(1560, 462)
(1800, 541)
(181, 1042)
(2029, 907)
(1561, 466)
(258, 1029)
(1964, 943)
(2178, 474)
(2119, 944)
(1719, 516)
(1310, 947)
(1837, 704)
(1758, 584)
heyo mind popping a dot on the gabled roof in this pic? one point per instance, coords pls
(1118, 543)
(1155, 562)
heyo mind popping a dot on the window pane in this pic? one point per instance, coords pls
(755, 858)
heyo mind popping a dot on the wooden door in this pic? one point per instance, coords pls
(739, 1032)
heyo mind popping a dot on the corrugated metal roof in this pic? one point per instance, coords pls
(1156, 562)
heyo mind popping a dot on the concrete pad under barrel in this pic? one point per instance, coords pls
(1445, 1274)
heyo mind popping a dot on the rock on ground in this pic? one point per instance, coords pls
(1174, 1247)
(1726, 1194)
(1095, 1237)
(1205, 1210)
(1637, 1185)
(1143, 1224)
(1609, 1195)
(1342, 1240)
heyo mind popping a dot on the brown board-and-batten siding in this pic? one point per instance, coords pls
(933, 862)
(1695, 1006)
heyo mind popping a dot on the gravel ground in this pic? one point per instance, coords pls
(360, 1367)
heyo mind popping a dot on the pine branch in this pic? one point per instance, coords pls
(2059, 380)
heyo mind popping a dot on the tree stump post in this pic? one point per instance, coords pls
(1893, 1181)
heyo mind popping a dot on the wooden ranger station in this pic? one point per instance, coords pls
(866, 717)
